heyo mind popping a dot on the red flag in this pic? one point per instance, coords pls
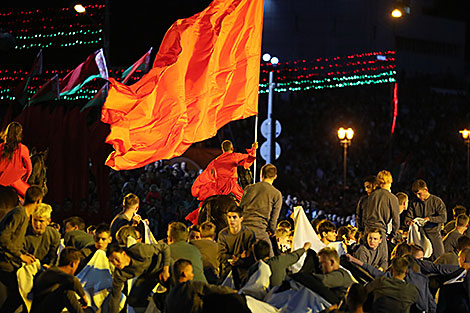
(141, 64)
(205, 75)
(93, 67)
(395, 108)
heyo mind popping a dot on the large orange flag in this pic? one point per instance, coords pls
(205, 75)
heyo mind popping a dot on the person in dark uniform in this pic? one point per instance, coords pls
(41, 240)
(261, 204)
(393, 294)
(383, 211)
(450, 240)
(369, 186)
(56, 288)
(128, 215)
(12, 238)
(196, 296)
(150, 263)
(433, 210)
(370, 253)
(235, 242)
(456, 211)
(75, 234)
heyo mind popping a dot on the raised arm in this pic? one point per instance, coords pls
(246, 160)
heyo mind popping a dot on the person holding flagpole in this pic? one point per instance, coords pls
(220, 177)
(15, 163)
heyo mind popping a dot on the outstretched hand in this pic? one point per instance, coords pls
(354, 260)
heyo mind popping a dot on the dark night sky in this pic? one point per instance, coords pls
(137, 25)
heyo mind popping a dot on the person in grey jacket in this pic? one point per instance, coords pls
(433, 210)
(393, 293)
(148, 262)
(41, 240)
(261, 204)
(425, 300)
(279, 263)
(12, 237)
(382, 210)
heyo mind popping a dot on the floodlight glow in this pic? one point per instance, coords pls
(397, 13)
(79, 8)
(465, 133)
(274, 60)
(266, 57)
(349, 133)
(341, 133)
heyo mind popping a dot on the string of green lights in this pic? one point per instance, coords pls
(56, 44)
(295, 85)
(84, 32)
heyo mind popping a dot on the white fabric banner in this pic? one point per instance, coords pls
(417, 236)
(258, 284)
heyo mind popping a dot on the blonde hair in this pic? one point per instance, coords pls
(282, 233)
(43, 210)
(384, 178)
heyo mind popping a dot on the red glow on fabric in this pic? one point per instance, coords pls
(395, 107)
(205, 75)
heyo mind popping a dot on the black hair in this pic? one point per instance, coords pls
(261, 249)
(69, 255)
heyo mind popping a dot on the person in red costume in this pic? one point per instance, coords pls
(220, 177)
(15, 163)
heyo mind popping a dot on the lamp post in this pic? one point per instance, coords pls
(466, 137)
(345, 136)
(271, 144)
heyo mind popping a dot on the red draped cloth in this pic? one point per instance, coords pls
(220, 178)
(205, 75)
(15, 172)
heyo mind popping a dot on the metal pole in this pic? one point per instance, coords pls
(256, 140)
(345, 156)
(270, 113)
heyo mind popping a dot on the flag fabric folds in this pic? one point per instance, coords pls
(93, 67)
(205, 74)
(142, 64)
(21, 90)
(48, 91)
(98, 99)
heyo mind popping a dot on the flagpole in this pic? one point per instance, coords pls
(256, 140)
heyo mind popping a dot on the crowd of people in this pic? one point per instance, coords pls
(402, 255)
(363, 247)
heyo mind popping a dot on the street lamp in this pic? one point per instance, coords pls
(345, 136)
(466, 137)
